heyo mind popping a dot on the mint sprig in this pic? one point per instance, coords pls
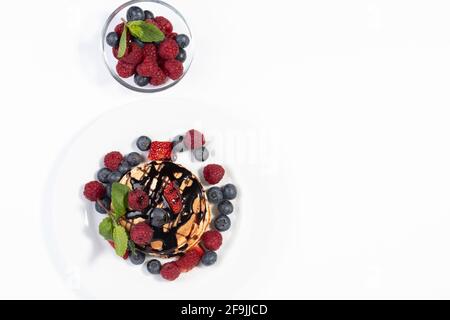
(123, 42)
(120, 238)
(144, 31)
(119, 194)
(105, 228)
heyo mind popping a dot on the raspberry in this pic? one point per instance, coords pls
(170, 271)
(213, 173)
(119, 28)
(125, 256)
(149, 50)
(172, 35)
(164, 25)
(158, 78)
(160, 151)
(189, 261)
(141, 234)
(148, 68)
(94, 190)
(212, 240)
(168, 49)
(199, 251)
(173, 69)
(125, 70)
(112, 160)
(194, 139)
(138, 200)
(134, 54)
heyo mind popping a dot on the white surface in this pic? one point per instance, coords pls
(357, 91)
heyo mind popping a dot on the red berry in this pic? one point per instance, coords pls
(119, 28)
(173, 69)
(148, 68)
(160, 151)
(158, 78)
(125, 70)
(170, 271)
(112, 160)
(213, 173)
(164, 25)
(212, 240)
(150, 50)
(134, 54)
(189, 260)
(141, 234)
(94, 190)
(173, 197)
(168, 49)
(138, 200)
(172, 35)
(194, 139)
(125, 256)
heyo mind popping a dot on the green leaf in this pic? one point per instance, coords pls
(132, 247)
(122, 43)
(144, 31)
(119, 193)
(105, 228)
(120, 239)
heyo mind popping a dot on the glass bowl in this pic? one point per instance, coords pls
(158, 8)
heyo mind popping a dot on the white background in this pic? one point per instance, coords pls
(356, 91)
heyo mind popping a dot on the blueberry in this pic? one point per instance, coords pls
(135, 13)
(137, 257)
(102, 175)
(124, 167)
(181, 55)
(201, 154)
(209, 258)
(114, 176)
(143, 143)
(148, 15)
(133, 214)
(108, 190)
(214, 195)
(134, 159)
(140, 80)
(182, 40)
(159, 217)
(154, 266)
(229, 191)
(139, 42)
(178, 145)
(225, 207)
(103, 205)
(222, 223)
(112, 39)
(137, 185)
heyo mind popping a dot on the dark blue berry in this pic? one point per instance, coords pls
(159, 217)
(137, 185)
(137, 257)
(139, 42)
(143, 143)
(222, 223)
(124, 167)
(225, 207)
(102, 175)
(108, 190)
(140, 80)
(209, 258)
(201, 154)
(133, 214)
(178, 145)
(135, 13)
(112, 39)
(148, 14)
(103, 205)
(181, 55)
(114, 176)
(182, 40)
(214, 195)
(134, 159)
(229, 191)
(154, 266)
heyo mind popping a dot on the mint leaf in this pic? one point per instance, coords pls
(122, 43)
(120, 239)
(119, 193)
(105, 228)
(144, 31)
(132, 247)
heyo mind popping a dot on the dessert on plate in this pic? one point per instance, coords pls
(158, 208)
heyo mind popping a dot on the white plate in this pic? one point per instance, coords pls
(88, 264)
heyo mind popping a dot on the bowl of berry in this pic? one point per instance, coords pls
(147, 45)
